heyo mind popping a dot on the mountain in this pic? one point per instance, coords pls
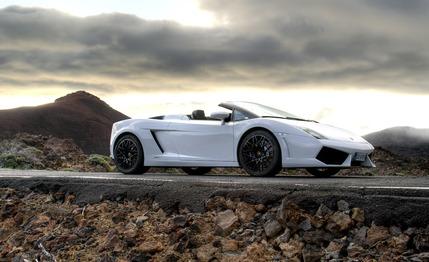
(403, 141)
(80, 116)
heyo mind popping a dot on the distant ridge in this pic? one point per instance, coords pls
(403, 140)
(80, 116)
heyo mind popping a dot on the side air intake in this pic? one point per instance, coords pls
(332, 156)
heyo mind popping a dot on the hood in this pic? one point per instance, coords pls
(328, 131)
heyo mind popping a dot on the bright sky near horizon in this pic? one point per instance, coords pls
(154, 57)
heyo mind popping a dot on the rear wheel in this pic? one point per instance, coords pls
(196, 171)
(259, 154)
(323, 172)
(128, 155)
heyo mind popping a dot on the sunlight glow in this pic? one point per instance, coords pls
(183, 12)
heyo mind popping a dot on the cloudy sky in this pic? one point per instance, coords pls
(360, 64)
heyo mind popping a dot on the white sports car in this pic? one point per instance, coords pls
(260, 139)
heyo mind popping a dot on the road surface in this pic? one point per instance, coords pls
(386, 199)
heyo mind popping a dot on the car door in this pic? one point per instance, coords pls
(203, 140)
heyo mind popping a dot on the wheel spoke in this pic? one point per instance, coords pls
(258, 153)
(126, 153)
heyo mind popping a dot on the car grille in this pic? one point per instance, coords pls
(332, 156)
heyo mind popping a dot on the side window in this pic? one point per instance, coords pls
(238, 115)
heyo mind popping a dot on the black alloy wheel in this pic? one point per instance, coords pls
(323, 172)
(259, 154)
(196, 171)
(128, 155)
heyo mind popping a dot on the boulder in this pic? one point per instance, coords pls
(226, 221)
(272, 228)
(358, 215)
(339, 222)
(376, 233)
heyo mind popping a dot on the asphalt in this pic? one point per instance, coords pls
(386, 200)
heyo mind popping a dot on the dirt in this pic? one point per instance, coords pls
(51, 227)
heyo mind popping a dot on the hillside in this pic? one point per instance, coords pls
(403, 141)
(80, 116)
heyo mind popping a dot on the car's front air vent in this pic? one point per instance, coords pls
(332, 156)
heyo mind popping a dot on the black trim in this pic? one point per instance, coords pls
(156, 141)
(331, 156)
(157, 117)
(232, 107)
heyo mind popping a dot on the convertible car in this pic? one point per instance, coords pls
(260, 139)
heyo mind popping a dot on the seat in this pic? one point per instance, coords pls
(198, 115)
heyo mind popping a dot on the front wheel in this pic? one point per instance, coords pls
(128, 155)
(323, 172)
(259, 154)
(196, 171)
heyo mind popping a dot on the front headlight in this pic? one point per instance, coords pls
(313, 133)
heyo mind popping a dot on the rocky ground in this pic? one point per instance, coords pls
(26, 151)
(50, 227)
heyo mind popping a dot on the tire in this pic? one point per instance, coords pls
(128, 155)
(196, 171)
(259, 154)
(323, 172)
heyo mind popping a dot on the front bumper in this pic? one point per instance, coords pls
(305, 151)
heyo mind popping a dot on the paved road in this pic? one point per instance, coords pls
(386, 182)
(392, 200)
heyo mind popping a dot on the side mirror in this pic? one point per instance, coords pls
(222, 116)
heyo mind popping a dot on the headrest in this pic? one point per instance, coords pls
(198, 115)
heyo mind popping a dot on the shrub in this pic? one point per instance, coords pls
(102, 161)
(14, 161)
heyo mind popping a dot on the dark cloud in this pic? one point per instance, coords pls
(267, 44)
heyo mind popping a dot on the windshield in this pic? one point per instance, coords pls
(264, 111)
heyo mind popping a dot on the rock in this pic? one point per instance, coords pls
(216, 203)
(421, 240)
(226, 221)
(155, 206)
(283, 238)
(342, 205)
(305, 224)
(354, 250)
(245, 212)
(229, 245)
(150, 247)
(334, 248)
(172, 257)
(311, 255)
(323, 211)
(205, 253)
(8, 210)
(272, 228)
(140, 220)
(179, 221)
(111, 241)
(376, 234)
(106, 258)
(360, 235)
(229, 204)
(137, 256)
(358, 215)
(422, 257)
(410, 231)
(118, 217)
(84, 231)
(317, 237)
(395, 231)
(260, 207)
(339, 222)
(255, 252)
(398, 244)
(289, 214)
(292, 250)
